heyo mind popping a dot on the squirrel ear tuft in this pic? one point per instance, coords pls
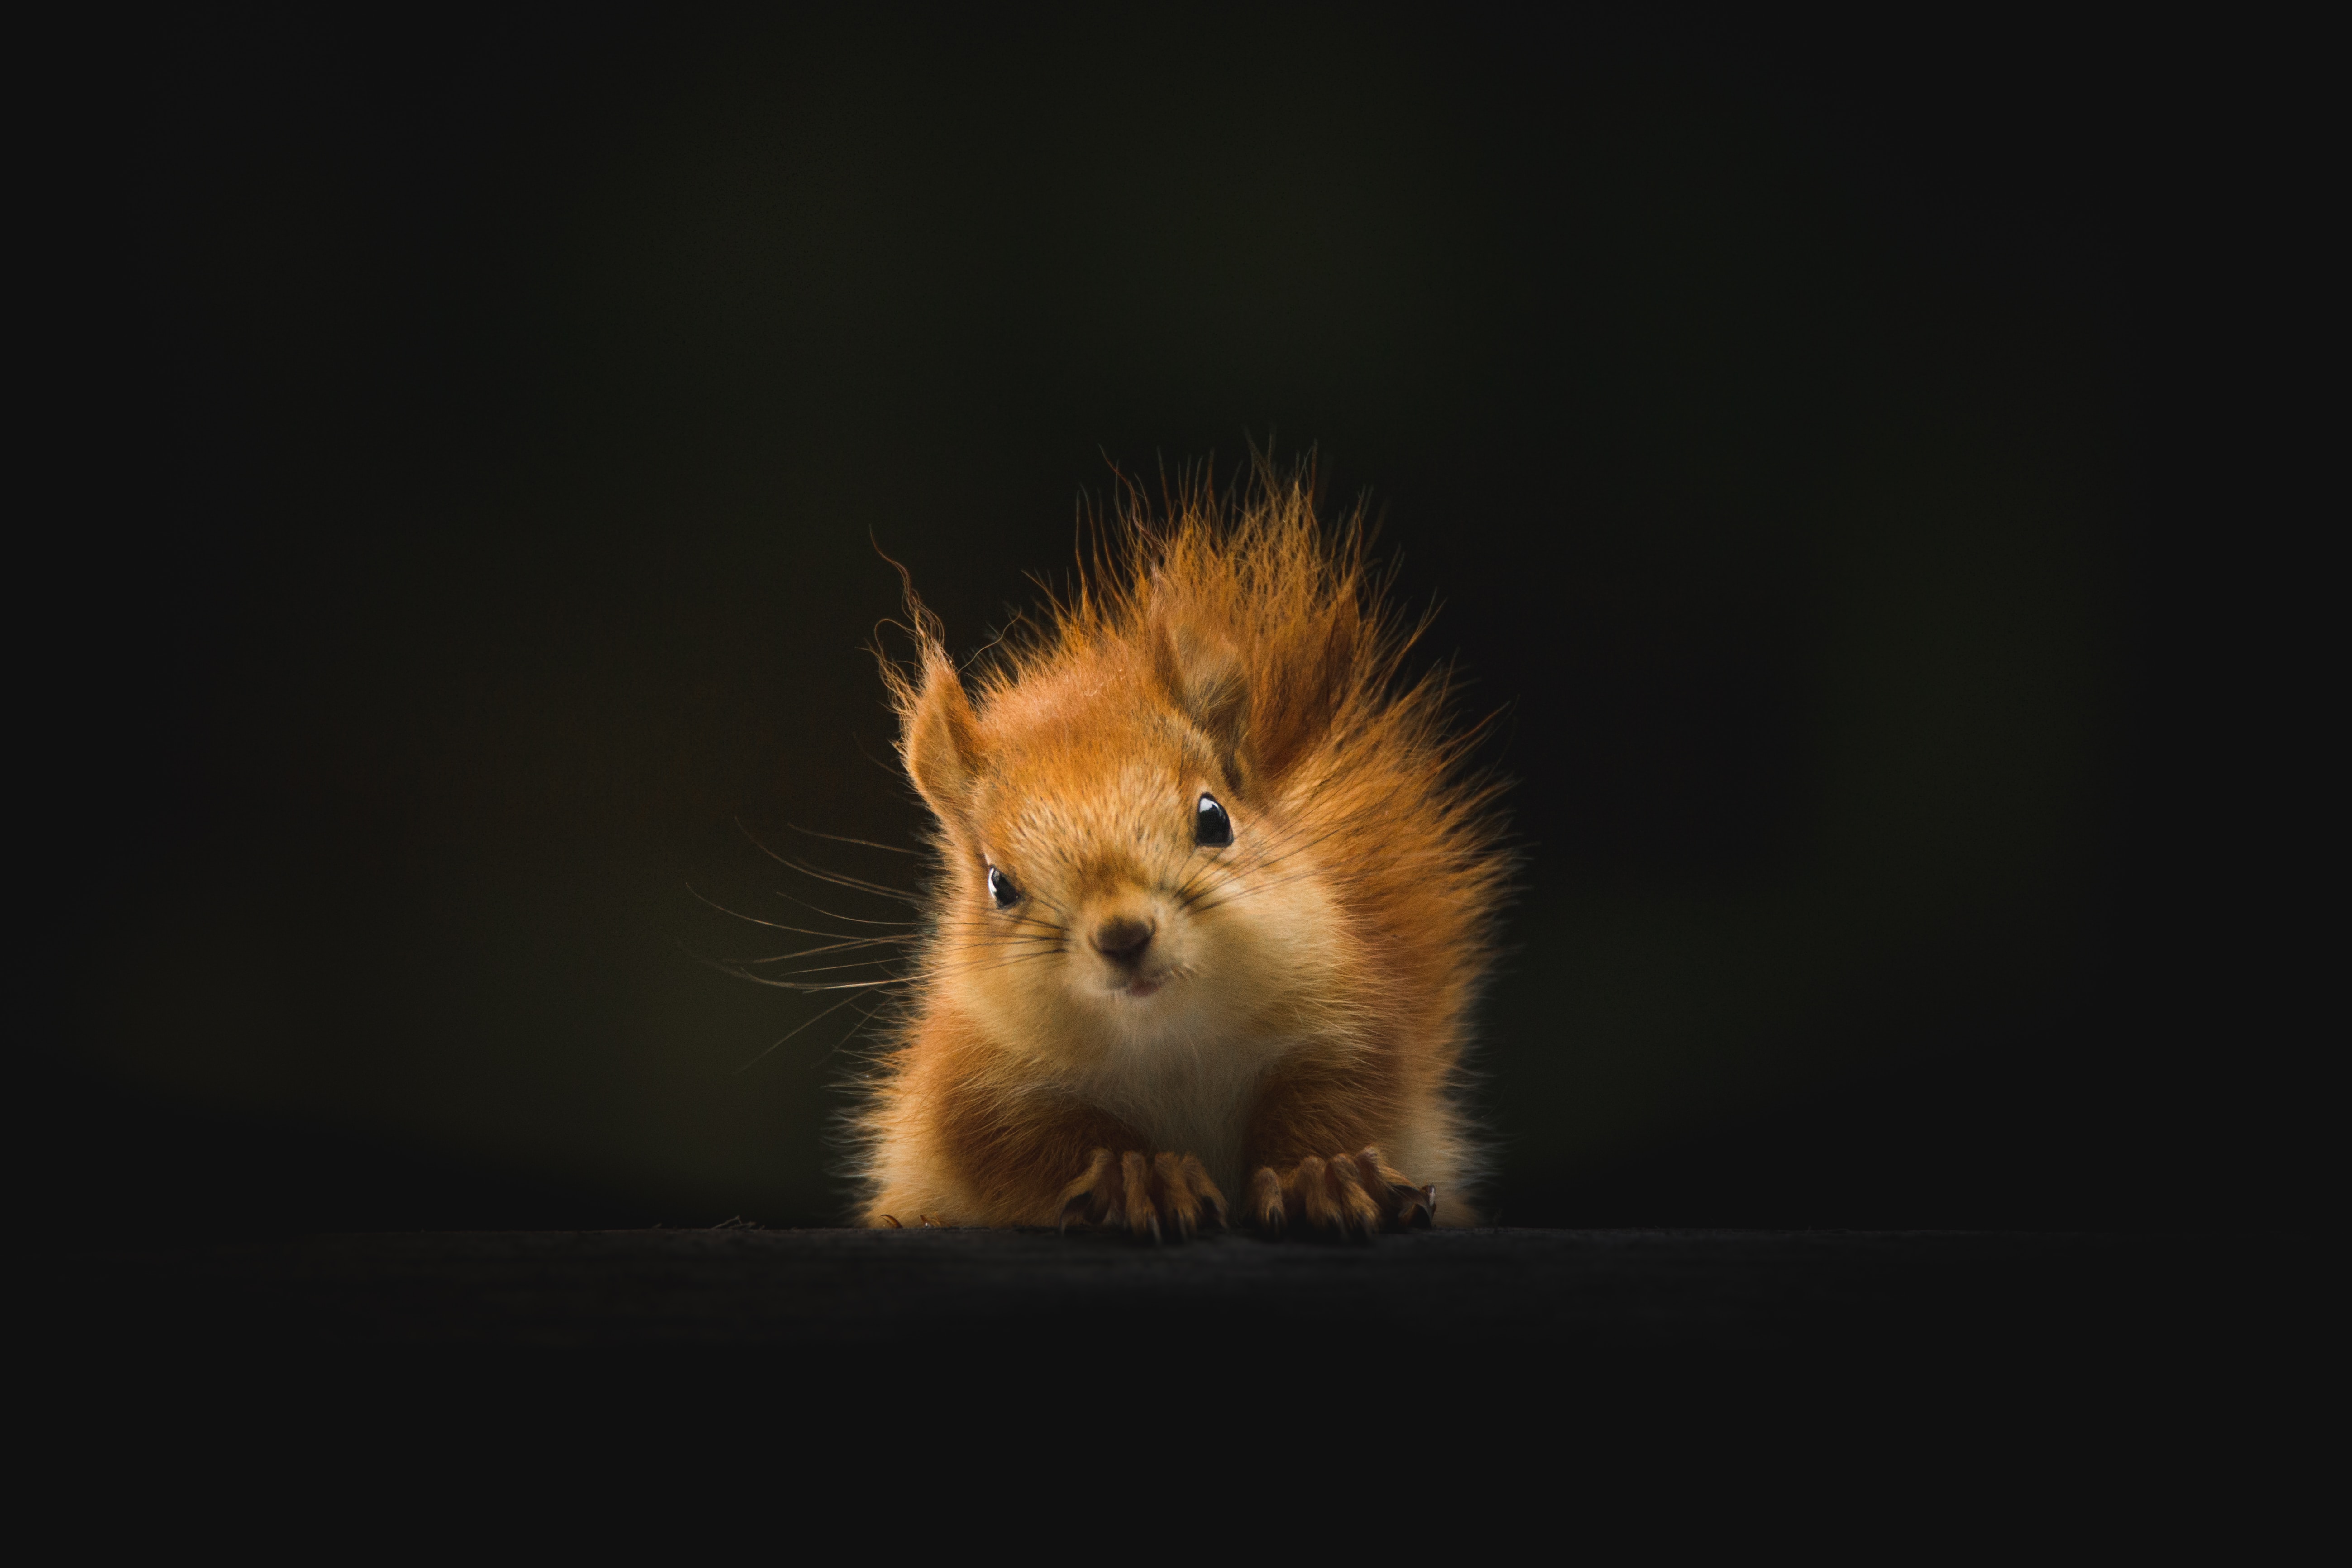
(940, 740)
(1311, 662)
(1203, 673)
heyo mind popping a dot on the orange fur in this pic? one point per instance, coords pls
(1158, 1026)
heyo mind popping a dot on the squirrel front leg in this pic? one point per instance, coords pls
(1315, 1159)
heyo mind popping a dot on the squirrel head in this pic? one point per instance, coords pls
(1126, 869)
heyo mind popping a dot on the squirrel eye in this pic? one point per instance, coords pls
(1000, 888)
(1210, 825)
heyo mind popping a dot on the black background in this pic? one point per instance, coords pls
(1837, 456)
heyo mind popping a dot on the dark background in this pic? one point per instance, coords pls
(1837, 456)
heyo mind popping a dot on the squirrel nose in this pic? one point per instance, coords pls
(1122, 939)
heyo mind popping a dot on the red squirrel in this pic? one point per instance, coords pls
(1215, 894)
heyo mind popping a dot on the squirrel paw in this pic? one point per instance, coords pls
(1347, 1195)
(1168, 1192)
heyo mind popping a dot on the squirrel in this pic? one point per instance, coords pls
(1215, 894)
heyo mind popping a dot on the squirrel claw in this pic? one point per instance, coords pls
(1267, 1208)
(1151, 1197)
(1416, 1208)
(1351, 1196)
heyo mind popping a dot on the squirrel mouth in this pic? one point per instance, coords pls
(1140, 986)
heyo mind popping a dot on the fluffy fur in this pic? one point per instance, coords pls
(1157, 1032)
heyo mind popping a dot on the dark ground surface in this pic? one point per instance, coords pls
(1997, 1363)
(1962, 1294)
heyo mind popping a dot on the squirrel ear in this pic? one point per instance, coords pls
(939, 741)
(1311, 662)
(1205, 675)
